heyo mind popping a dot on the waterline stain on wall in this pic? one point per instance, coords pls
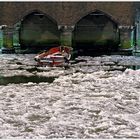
(47, 24)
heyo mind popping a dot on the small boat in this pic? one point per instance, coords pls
(56, 56)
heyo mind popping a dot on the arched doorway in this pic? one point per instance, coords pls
(95, 33)
(38, 32)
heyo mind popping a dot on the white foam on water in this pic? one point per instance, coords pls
(83, 102)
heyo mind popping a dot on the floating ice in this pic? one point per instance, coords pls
(96, 97)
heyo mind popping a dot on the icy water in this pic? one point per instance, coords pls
(95, 97)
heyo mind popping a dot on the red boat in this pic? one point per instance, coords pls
(56, 56)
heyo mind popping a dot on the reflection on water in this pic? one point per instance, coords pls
(134, 67)
(25, 79)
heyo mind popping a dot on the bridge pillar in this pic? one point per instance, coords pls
(126, 39)
(7, 40)
(16, 43)
(66, 35)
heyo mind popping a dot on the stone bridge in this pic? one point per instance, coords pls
(98, 26)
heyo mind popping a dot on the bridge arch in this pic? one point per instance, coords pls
(96, 32)
(38, 31)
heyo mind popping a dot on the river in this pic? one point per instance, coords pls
(95, 97)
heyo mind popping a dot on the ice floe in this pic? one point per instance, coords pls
(96, 97)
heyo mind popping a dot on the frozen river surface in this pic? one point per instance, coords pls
(94, 98)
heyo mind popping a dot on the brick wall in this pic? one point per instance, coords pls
(66, 13)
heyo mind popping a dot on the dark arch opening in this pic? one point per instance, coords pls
(38, 32)
(95, 34)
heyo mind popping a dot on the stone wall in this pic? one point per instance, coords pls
(66, 13)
